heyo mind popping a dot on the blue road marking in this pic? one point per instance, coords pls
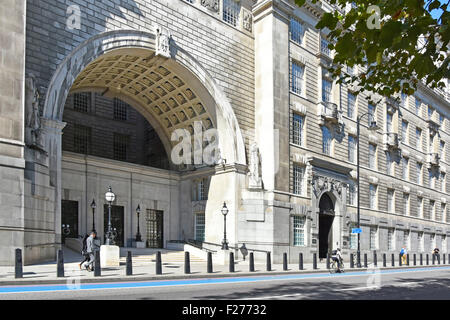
(164, 283)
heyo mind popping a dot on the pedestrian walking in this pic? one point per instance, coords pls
(403, 253)
(84, 251)
(435, 253)
(91, 247)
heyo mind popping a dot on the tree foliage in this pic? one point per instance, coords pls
(407, 46)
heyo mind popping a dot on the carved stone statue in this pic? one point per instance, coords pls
(32, 113)
(162, 42)
(254, 175)
(212, 5)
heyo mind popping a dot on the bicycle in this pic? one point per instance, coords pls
(334, 267)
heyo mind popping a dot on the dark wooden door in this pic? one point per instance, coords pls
(117, 222)
(155, 228)
(69, 216)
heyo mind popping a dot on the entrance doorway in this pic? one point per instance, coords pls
(69, 217)
(116, 222)
(155, 220)
(326, 217)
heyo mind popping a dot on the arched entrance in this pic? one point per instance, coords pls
(326, 217)
(170, 92)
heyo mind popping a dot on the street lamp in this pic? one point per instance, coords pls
(372, 127)
(224, 212)
(138, 234)
(110, 197)
(93, 206)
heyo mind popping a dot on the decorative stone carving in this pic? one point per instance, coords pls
(324, 184)
(162, 42)
(247, 20)
(254, 175)
(212, 5)
(33, 130)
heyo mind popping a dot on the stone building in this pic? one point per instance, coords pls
(93, 92)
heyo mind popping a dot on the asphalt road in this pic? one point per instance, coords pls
(424, 283)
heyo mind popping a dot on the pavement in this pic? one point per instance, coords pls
(144, 269)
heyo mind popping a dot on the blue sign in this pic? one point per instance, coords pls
(356, 230)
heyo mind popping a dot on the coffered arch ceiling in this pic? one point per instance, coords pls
(165, 93)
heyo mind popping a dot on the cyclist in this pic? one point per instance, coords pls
(337, 257)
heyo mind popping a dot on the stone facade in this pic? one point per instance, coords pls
(227, 65)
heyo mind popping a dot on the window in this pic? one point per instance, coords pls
(201, 192)
(81, 101)
(418, 105)
(441, 120)
(420, 207)
(430, 144)
(430, 179)
(373, 238)
(443, 182)
(432, 210)
(324, 47)
(390, 240)
(351, 103)
(418, 139)
(372, 116)
(442, 150)
(81, 139)
(406, 239)
(405, 171)
(391, 200)
(440, 213)
(120, 110)
(120, 148)
(299, 230)
(372, 156)
(372, 196)
(231, 11)
(389, 163)
(299, 180)
(326, 140)
(326, 90)
(404, 98)
(351, 149)
(200, 226)
(406, 204)
(296, 31)
(353, 241)
(419, 173)
(430, 112)
(405, 137)
(351, 195)
(389, 117)
(297, 128)
(297, 78)
(420, 241)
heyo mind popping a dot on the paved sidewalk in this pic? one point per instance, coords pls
(144, 269)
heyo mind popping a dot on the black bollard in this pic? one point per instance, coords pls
(443, 258)
(60, 264)
(393, 260)
(285, 262)
(407, 259)
(433, 258)
(448, 258)
(97, 266)
(209, 263)
(365, 260)
(384, 260)
(187, 263)
(18, 264)
(268, 262)
(427, 259)
(400, 260)
(314, 261)
(421, 259)
(231, 267)
(352, 264)
(414, 259)
(375, 262)
(129, 264)
(252, 262)
(158, 263)
(439, 258)
(358, 259)
(300, 261)
(328, 261)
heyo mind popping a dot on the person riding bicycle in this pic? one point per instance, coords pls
(336, 255)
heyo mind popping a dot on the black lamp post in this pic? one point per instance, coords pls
(224, 212)
(372, 127)
(110, 197)
(93, 206)
(138, 234)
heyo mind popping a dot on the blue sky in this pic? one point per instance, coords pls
(437, 13)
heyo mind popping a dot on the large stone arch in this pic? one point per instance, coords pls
(229, 178)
